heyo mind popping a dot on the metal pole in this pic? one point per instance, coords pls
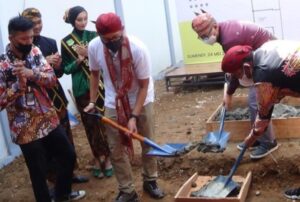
(282, 33)
(119, 9)
(253, 15)
(170, 33)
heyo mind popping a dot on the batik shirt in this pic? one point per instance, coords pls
(30, 112)
(276, 74)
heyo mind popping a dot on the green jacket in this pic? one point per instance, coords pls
(80, 82)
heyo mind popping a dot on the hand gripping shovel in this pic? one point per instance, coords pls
(167, 150)
(215, 141)
(221, 186)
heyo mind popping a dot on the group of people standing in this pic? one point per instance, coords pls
(111, 73)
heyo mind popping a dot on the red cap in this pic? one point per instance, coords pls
(234, 58)
(108, 23)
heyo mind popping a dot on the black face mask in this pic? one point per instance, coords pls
(114, 45)
(25, 49)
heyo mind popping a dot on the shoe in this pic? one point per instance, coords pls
(241, 145)
(73, 196)
(79, 179)
(293, 194)
(151, 188)
(108, 172)
(127, 197)
(97, 173)
(263, 150)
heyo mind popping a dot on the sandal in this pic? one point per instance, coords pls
(108, 172)
(97, 173)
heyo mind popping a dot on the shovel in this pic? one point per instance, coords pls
(215, 141)
(221, 186)
(167, 150)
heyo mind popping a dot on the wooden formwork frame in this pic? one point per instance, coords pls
(283, 127)
(183, 194)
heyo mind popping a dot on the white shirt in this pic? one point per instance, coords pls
(141, 68)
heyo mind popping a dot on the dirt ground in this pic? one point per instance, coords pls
(180, 117)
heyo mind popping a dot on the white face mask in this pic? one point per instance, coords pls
(210, 40)
(245, 81)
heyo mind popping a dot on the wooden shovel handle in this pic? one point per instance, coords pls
(122, 128)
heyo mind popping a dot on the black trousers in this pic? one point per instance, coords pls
(59, 147)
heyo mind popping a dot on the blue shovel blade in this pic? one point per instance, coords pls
(213, 138)
(73, 120)
(168, 150)
(224, 140)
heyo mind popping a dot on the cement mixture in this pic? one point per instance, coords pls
(280, 111)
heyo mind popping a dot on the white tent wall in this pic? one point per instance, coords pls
(290, 19)
(8, 150)
(4, 149)
(177, 51)
(147, 21)
(8, 9)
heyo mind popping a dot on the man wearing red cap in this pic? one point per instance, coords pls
(275, 71)
(125, 66)
(228, 34)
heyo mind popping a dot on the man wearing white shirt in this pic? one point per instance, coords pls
(129, 95)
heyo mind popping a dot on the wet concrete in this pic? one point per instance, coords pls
(280, 111)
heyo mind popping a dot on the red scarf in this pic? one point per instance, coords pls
(122, 100)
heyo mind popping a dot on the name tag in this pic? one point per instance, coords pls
(29, 99)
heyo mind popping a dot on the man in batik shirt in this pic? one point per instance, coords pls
(275, 71)
(34, 125)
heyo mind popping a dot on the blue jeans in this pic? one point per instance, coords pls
(268, 136)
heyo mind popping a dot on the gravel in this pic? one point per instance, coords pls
(280, 111)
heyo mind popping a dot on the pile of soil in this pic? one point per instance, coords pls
(179, 117)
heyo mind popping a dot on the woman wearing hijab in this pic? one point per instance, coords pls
(75, 62)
